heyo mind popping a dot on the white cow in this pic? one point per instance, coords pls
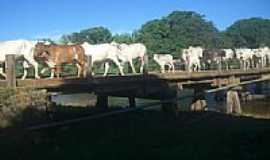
(192, 57)
(163, 60)
(130, 52)
(245, 55)
(229, 54)
(264, 54)
(103, 53)
(22, 49)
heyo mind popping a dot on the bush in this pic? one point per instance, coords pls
(20, 105)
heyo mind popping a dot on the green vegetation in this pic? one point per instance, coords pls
(182, 29)
(14, 103)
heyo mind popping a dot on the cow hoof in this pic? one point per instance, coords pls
(37, 77)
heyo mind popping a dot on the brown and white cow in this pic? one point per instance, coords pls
(56, 55)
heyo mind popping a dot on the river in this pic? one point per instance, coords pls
(258, 108)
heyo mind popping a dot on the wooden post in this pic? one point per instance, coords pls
(89, 67)
(169, 99)
(199, 102)
(146, 65)
(102, 101)
(233, 102)
(132, 102)
(10, 71)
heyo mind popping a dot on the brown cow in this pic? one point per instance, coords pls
(56, 55)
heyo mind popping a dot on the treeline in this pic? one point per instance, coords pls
(181, 29)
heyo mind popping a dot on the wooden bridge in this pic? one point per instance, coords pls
(150, 85)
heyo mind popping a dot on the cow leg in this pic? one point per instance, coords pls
(173, 68)
(79, 69)
(25, 67)
(43, 70)
(132, 66)
(162, 68)
(107, 67)
(52, 73)
(2, 73)
(120, 67)
(198, 66)
(58, 70)
(52, 67)
(35, 65)
(142, 64)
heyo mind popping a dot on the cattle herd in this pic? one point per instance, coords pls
(31, 53)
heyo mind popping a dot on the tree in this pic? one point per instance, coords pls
(176, 31)
(252, 33)
(123, 38)
(224, 41)
(92, 35)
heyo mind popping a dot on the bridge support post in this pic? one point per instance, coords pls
(10, 71)
(233, 102)
(102, 101)
(132, 102)
(169, 99)
(199, 102)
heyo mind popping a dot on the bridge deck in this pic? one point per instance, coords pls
(179, 76)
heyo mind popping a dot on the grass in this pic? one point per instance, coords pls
(146, 135)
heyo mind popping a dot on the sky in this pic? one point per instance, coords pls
(33, 19)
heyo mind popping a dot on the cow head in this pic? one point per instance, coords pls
(41, 51)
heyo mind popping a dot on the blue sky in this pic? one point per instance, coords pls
(31, 19)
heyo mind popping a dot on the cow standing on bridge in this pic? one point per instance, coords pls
(191, 57)
(213, 55)
(163, 60)
(229, 55)
(103, 53)
(128, 52)
(56, 55)
(23, 50)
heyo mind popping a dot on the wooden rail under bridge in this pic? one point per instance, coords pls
(150, 85)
